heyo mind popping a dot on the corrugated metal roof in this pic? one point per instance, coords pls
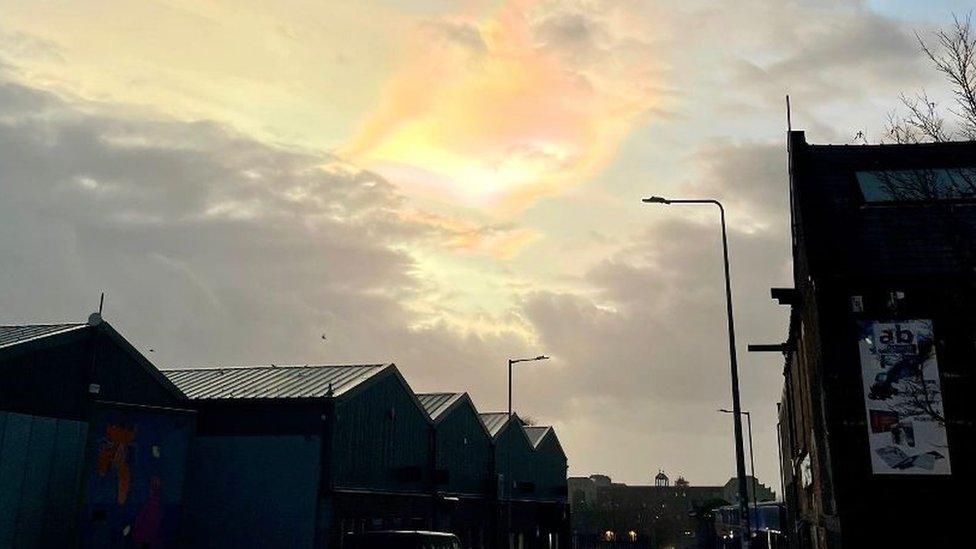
(12, 335)
(308, 381)
(438, 403)
(536, 433)
(494, 421)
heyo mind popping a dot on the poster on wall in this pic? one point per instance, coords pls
(903, 398)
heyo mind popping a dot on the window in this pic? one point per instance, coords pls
(922, 185)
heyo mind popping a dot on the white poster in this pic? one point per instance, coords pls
(903, 398)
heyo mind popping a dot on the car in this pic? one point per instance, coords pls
(402, 539)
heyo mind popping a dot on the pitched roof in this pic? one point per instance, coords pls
(437, 404)
(494, 421)
(536, 433)
(12, 335)
(254, 382)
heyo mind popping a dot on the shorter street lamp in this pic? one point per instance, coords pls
(512, 362)
(508, 465)
(752, 455)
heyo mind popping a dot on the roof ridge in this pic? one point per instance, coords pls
(273, 367)
(43, 324)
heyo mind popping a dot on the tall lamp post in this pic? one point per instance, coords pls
(740, 466)
(508, 459)
(752, 455)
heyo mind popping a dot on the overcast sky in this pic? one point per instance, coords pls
(442, 184)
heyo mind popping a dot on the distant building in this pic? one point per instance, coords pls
(876, 418)
(661, 515)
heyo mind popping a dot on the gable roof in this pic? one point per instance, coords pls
(536, 433)
(271, 381)
(494, 421)
(23, 338)
(14, 335)
(542, 433)
(438, 404)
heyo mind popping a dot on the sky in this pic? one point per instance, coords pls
(443, 185)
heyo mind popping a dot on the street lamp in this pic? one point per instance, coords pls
(752, 455)
(508, 465)
(740, 467)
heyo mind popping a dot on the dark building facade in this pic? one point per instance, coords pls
(876, 420)
(463, 467)
(301, 456)
(654, 516)
(93, 440)
(98, 448)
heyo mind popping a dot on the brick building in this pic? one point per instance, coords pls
(658, 515)
(876, 417)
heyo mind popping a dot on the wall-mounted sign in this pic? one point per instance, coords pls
(903, 398)
(806, 471)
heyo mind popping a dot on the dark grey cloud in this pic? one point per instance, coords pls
(829, 53)
(213, 248)
(751, 178)
(648, 350)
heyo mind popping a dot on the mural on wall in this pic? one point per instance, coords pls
(903, 398)
(112, 454)
(135, 481)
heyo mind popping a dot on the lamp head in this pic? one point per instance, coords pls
(542, 357)
(655, 200)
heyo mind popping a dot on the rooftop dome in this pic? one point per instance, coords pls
(661, 479)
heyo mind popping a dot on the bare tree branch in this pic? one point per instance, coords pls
(954, 55)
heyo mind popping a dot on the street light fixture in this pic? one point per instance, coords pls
(508, 465)
(740, 466)
(752, 455)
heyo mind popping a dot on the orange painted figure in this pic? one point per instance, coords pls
(113, 454)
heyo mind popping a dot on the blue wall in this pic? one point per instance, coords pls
(252, 491)
(41, 462)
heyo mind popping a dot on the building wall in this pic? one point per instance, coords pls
(252, 491)
(382, 439)
(254, 474)
(845, 248)
(512, 441)
(550, 470)
(41, 470)
(464, 450)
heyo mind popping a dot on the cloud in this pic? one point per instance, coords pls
(212, 247)
(750, 178)
(511, 108)
(643, 356)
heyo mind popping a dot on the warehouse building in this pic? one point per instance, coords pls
(876, 420)
(302, 456)
(533, 506)
(93, 440)
(99, 448)
(463, 465)
(295, 456)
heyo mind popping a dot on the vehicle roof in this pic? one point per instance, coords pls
(408, 532)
